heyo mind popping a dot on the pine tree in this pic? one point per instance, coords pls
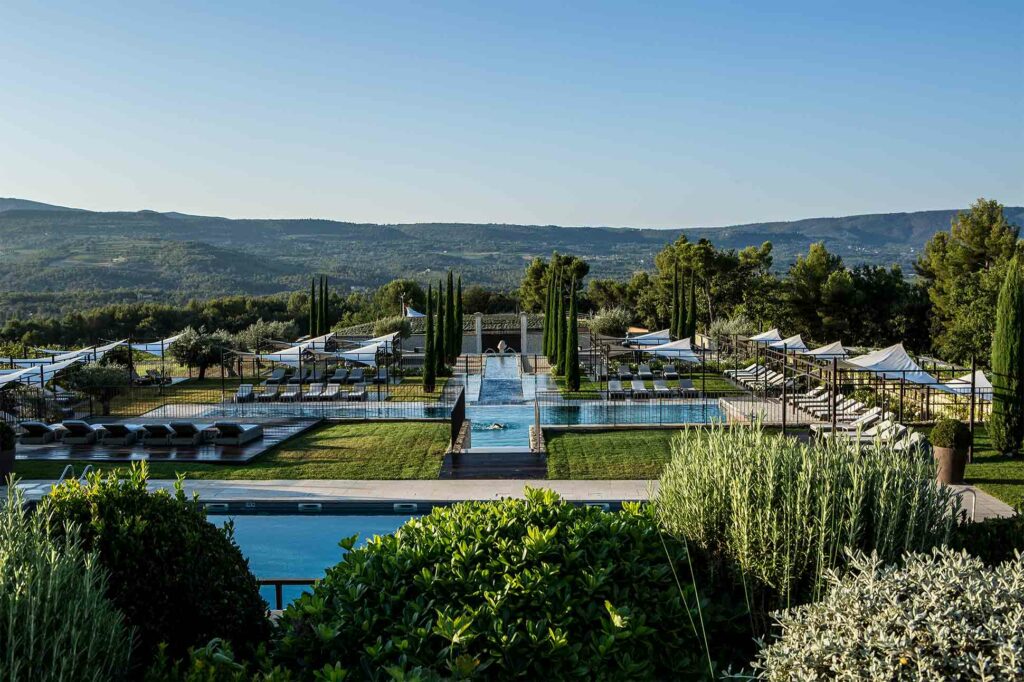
(439, 341)
(312, 308)
(1006, 426)
(572, 344)
(459, 322)
(691, 311)
(429, 369)
(673, 323)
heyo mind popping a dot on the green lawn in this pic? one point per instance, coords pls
(635, 454)
(376, 450)
(1001, 476)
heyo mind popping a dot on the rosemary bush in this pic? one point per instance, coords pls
(941, 616)
(778, 513)
(55, 621)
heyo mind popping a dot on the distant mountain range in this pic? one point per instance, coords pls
(52, 257)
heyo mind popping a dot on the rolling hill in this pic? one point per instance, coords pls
(55, 257)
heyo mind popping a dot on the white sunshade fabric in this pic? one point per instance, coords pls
(157, 348)
(832, 350)
(651, 338)
(793, 343)
(894, 363)
(367, 353)
(962, 385)
(770, 336)
(90, 353)
(409, 312)
(36, 376)
(676, 350)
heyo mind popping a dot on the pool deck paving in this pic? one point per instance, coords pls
(444, 491)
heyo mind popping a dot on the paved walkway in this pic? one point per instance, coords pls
(985, 505)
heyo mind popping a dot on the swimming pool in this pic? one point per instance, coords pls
(516, 419)
(300, 546)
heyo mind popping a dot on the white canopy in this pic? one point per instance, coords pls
(157, 348)
(893, 363)
(676, 350)
(409, 312)
(37, 376)
(793, 343)
(651, 338)
(962, 385)
(832, 350)
(91, 353)
(364, 355)
(770, 336)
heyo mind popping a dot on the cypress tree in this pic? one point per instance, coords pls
(681, 310)
(572, 343)
(312, 307)
(691, 311)
(560, 335)
(320, 321)
(673, 322)
(451, 342)
(549, 314)
(325, 315)
(556, 310)
(544, 334)
(439, 340)
(459, 322)
(1006, 426)
(429, 369)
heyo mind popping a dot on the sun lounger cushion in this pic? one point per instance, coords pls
(38, 433)
(186, 433)
(79, 432)
(231, 433)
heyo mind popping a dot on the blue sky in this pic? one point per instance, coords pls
(640, 114)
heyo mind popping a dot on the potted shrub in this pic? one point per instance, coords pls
(7, 447)
(950, 440)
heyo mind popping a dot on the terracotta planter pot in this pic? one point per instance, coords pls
(6, 464)
(950, 464)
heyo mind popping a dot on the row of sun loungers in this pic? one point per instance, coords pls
(342, 375)
(76, 432)
(644, 373)
(294, 393)
(637, 389)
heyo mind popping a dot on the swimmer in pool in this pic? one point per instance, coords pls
(496, 426)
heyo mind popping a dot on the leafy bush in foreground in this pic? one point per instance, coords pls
(993, 540)
(178, 579)
(56, 622)
(778, 513)
(534, 588)
(942, 616)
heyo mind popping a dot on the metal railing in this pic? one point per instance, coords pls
(280, 583)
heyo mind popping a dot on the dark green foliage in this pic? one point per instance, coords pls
(559, 349)
(529, 589)
(545, 337)
(440, 368)
(950, 433)
(673, 324)
(177, 578)
(460, 322)
(453, 339)
(993, 540)
(1006, 426)
(312, 308)
(100, 383)
(572, 344)
(691, 310)
(429, 362)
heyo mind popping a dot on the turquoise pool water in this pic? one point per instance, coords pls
(516, 419)
(300, 546)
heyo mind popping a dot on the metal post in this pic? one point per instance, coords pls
(970, 448)
(784, 389)
(835, 388)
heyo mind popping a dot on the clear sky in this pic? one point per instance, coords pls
(643, 114)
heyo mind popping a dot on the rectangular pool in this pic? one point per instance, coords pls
(300, 546)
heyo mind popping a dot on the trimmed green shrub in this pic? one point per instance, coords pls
(942, 616)
(56, 622)
(535, 589)
(179, 579)
(777, 513)
(216, 662)
(950, 433)
(610, 322)
(993, 540)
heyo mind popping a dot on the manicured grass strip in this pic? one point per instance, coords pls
(995, 474)
(636, 454)
(374, 450)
